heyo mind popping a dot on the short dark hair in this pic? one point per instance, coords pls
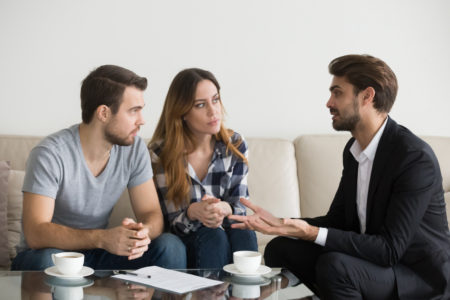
(363, 71)
(105, 86)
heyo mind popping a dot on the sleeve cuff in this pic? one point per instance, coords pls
(322, 236)
(292, 279)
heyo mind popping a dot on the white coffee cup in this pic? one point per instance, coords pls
(247, 261)
(246, 291)
(68, 263)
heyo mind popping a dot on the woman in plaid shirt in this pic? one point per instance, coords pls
(200, 171)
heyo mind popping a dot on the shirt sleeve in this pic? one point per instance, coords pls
(238, 187)
(175, 218)
(321, 238)
(43, 172)
(140, 160)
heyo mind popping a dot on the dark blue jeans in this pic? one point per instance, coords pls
(213, 248)
(166, 251)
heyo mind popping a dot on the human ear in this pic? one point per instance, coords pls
(102, 113)
(368, 95)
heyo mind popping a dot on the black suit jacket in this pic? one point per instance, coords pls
(407, 226)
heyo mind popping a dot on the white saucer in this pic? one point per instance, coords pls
(262, 270)
(53, 271)
(249, 280)
(68, 282)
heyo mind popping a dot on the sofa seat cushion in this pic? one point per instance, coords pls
(4, 253)
(15, 200)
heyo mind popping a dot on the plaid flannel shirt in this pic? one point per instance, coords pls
(226, 180)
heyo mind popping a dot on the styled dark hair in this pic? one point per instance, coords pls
(105, 86)
(363, 71)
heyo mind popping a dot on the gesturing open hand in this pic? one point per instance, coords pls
(264, 222)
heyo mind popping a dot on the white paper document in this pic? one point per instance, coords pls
(169, 280)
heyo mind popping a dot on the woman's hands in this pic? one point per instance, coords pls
(210, 211)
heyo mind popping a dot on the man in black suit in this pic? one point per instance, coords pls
(386, 233)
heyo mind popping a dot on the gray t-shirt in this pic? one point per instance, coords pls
(56, 168)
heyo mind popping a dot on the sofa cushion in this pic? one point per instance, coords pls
(272, 179)
(4, 253)
(319, 159)
(15, 200)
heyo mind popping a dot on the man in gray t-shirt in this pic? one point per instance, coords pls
(75, 176)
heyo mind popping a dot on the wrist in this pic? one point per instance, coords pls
(313, 231)
(226, 208)
(97, 238)
(190, 212)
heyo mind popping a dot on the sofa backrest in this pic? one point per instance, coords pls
(319, 167)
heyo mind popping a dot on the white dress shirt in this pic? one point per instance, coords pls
(365, 162)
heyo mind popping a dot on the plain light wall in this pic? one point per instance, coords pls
(270, 57)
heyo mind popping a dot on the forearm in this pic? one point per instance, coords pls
(51, 235)
(310, 233)
(154, 223)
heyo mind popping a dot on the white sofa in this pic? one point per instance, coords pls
(289, 178)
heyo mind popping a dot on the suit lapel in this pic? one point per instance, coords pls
(384, 151)
(350, 206)
(350, 176)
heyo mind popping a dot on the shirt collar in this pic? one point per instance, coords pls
(371, 149)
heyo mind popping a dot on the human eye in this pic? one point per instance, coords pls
(337, 93)
(216, 100)
(200, 105)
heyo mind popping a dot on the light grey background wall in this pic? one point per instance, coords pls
(270, 57)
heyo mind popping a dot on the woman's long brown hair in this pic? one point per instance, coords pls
(178, 140)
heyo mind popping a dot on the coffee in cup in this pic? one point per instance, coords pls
(247, 261)
(68, 263)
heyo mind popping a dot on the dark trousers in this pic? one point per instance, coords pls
(331, 275)
(166, 251)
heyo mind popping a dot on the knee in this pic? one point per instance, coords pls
(242, 240)
(213, 237)
(331, 265)
(36, 260)
(273, 250)
(170, 247)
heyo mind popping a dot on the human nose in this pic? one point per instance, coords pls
(140, 119)
(329, 102)
(211, 110)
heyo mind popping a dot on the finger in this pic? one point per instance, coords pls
(127, 221)
(206, 197)
(134, 226)
(140, 234)
(239, 226)
(237, 218)
(249, 204)
(134, 256)
(140, 243)
(137, 252)
(212, 200)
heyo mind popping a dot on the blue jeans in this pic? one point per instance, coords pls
(166, 251)
(212, 248)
